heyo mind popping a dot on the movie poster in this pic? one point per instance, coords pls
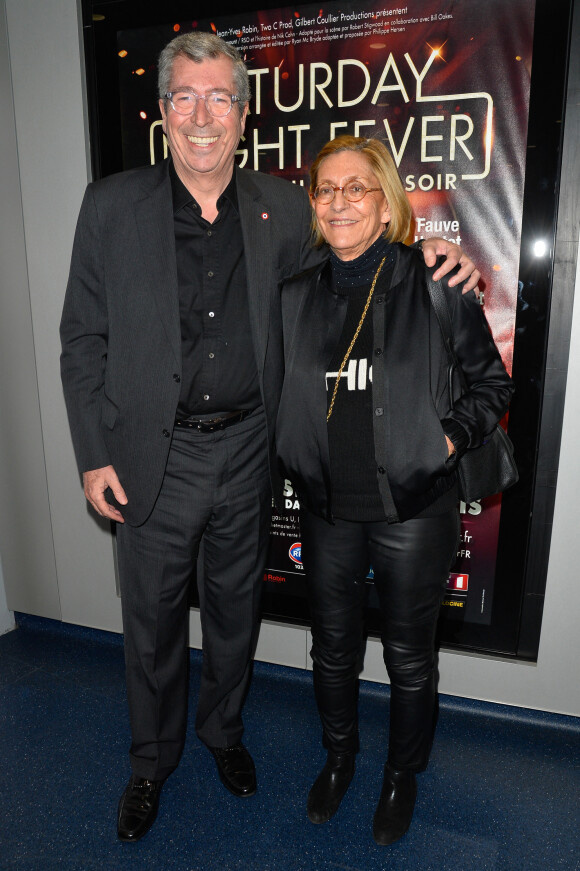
(446, 86)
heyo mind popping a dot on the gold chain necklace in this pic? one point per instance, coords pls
(354, 338)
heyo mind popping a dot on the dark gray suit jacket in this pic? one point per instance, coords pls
(120, 329)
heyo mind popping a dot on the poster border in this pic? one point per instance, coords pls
(521, 551)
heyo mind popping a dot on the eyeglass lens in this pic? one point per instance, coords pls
(353, 192)
(184, 103)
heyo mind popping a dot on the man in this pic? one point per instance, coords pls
(172, 368)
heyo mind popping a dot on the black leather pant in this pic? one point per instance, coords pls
(411, 562)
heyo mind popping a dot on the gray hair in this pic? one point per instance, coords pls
(198, 47)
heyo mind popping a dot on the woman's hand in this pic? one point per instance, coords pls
(432, 248)
(450, 447)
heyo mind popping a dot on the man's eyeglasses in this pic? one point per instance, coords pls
(218, 103)
(354, 191)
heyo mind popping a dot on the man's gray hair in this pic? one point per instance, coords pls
(198, 47)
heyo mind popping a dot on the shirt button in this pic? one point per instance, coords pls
(210, 274)
(378, 352)
(211, 355)
(206, 396)
(176, 378)
(166, 433)
(381, 470)
(211, 314)
(209, 232)
(378, 412)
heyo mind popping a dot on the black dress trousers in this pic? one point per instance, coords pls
(216, 488)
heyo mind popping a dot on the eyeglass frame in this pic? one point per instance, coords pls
(170, 94)
(314, 196)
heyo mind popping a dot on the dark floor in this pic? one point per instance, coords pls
(501, 793)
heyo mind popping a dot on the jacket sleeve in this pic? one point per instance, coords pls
(84, 337)
(474, 414)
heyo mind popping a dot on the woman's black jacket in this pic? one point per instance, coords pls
(412, 410)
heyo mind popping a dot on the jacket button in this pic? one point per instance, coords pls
(381, 470)
(166, 433)
(176, 378)
(378, 412)
(378, 352)
(379, 299)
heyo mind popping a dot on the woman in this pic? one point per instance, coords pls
(369, 440)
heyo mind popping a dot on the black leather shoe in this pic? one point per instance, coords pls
(330, 786)
(138, 808)
(395, 808)
(236, 769)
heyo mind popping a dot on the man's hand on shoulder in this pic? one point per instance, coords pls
(95, 483)
(432, 248)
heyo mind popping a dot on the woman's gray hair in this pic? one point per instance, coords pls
(198, 47)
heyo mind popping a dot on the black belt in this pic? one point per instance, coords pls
(211, 424)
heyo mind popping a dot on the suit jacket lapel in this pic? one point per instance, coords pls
(154, 217)
(260, 256)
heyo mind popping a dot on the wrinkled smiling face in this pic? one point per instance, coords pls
(350, 228)
(202, 146)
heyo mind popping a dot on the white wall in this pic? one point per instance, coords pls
(58, 562)
(6, 616)
(68, 573)
(24, 504)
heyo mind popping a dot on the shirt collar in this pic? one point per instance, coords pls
(182, 197)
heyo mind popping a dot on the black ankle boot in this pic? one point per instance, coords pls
(330, 786)
(395, 808)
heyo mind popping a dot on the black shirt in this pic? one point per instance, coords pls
(219, 372)
(353, 470)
